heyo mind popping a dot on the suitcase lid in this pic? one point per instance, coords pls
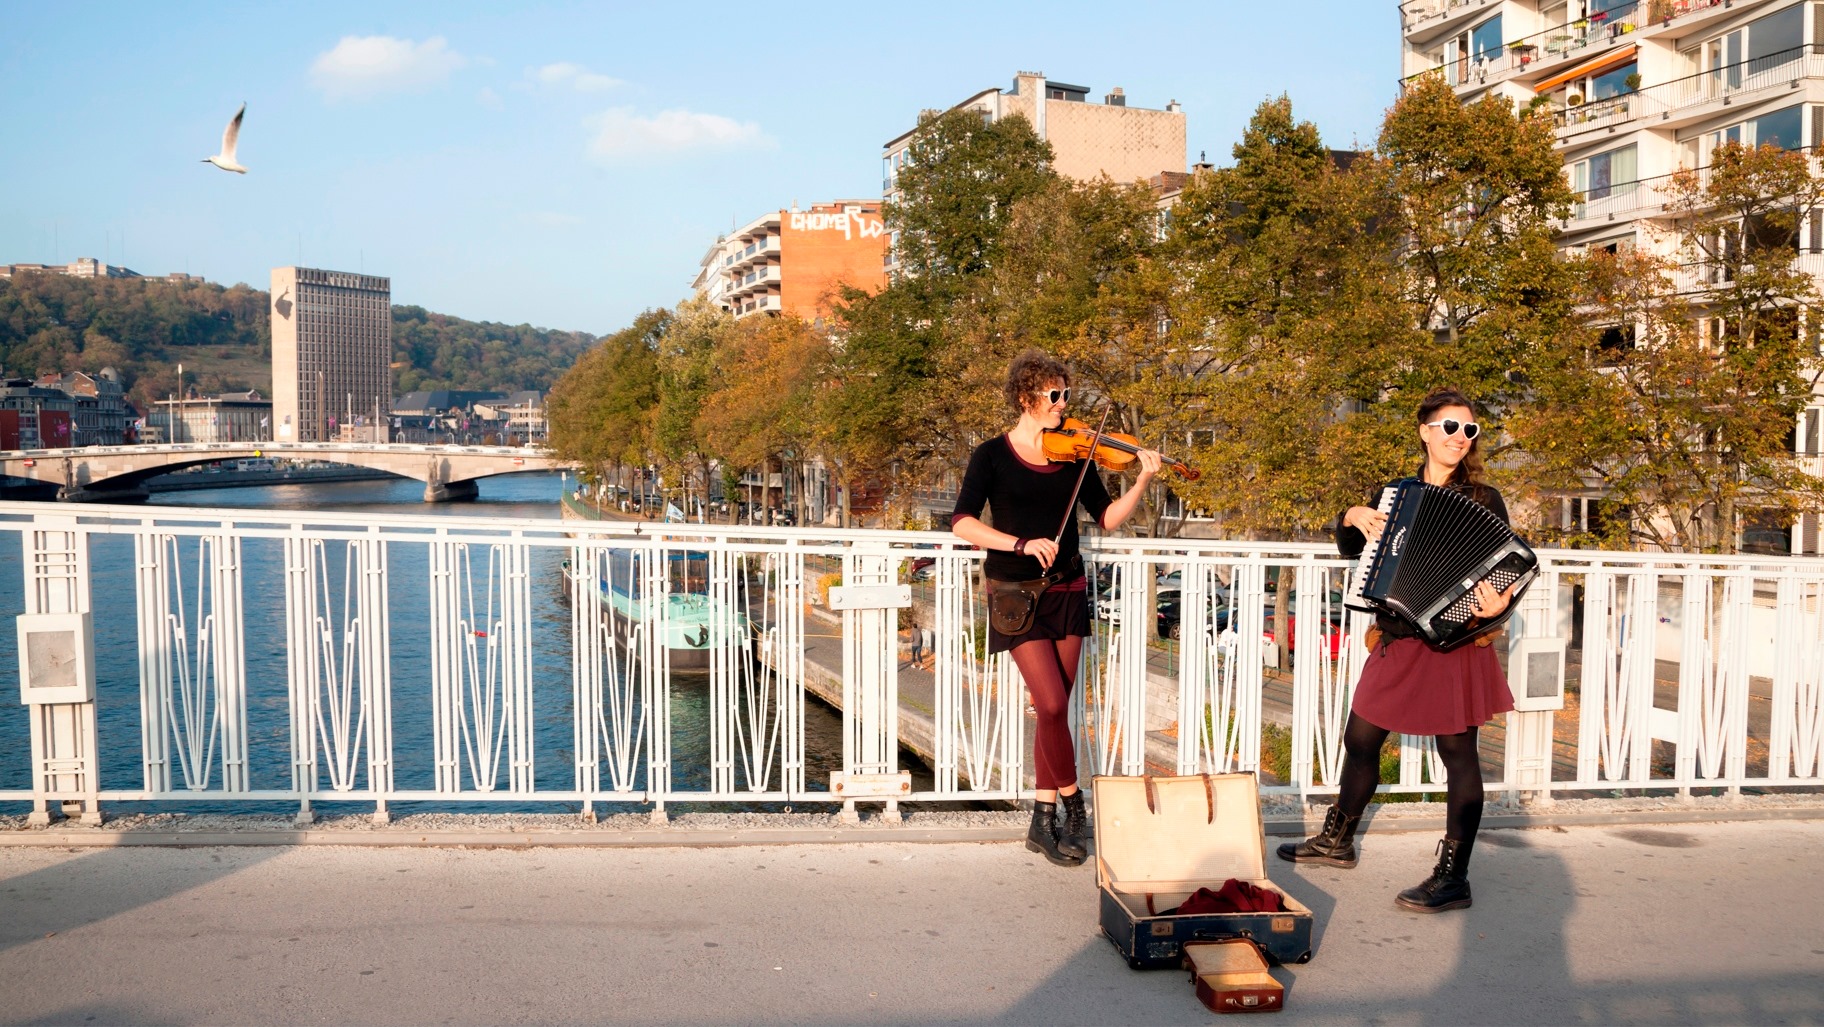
(1165, 834)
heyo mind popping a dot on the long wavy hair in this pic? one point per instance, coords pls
(1470, 472)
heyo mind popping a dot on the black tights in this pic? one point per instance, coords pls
(1362, 743)
(1050, 669)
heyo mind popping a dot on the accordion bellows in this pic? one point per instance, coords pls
(1437, 546)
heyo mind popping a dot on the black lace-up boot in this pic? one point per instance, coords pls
(1042, 836)
(1073, 838)
(1448, 885)
(1334, 846)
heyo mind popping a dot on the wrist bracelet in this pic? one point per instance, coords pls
(1019, 547)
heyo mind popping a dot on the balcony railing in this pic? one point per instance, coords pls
(1704, 276)
(1742, 82)
(314, 657)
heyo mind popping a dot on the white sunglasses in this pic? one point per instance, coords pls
(1450, 425)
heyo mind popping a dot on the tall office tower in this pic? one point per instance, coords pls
(332, 344)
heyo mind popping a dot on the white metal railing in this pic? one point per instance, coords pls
(1688, 671)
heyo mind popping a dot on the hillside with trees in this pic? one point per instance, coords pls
(144, 328)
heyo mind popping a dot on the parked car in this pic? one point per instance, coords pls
(1170, 625)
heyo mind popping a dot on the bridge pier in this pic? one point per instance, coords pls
(445, 492)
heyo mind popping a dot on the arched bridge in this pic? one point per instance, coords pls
(117, 473)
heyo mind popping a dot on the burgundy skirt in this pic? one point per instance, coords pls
(1409, 687)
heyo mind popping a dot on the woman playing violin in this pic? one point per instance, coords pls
(1030, 498)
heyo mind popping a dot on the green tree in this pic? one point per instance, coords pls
(950, 211)
(686, 365)
(600, 411)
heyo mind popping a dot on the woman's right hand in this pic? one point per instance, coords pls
(1043, 550)
(1367, 520)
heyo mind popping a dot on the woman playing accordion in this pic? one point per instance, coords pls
(1413, 688)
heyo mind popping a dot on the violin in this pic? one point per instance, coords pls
(1071, 441)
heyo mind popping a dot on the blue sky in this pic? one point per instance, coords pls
(567, 164)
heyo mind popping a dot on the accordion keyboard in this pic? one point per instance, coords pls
(1355, 600)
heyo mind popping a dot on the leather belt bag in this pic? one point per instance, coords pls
(1013, 604)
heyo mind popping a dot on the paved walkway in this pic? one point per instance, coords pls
(1713, 923)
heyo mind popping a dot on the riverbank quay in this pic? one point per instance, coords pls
(1710, 923)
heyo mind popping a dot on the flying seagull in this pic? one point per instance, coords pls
(231, 134)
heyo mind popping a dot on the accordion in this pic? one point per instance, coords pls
(1437, 546)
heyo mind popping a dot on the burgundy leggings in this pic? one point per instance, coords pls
(1049, 666)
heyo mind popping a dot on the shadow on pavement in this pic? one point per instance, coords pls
(102, 883)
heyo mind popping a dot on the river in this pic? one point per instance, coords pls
(508, 497)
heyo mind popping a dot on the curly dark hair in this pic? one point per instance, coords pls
(1470, 471)
(1032, 372)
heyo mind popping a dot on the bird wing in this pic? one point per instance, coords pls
(232, 134)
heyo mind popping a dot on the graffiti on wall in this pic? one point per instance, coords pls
(851, 221)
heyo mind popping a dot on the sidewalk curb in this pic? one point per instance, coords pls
(1287, 827)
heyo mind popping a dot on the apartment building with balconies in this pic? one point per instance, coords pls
(1638, 89)
(796, 261)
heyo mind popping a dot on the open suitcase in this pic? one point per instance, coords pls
(1158, 839)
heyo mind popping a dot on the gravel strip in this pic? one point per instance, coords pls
(1275, 810)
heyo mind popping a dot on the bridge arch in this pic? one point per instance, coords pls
(119, 473)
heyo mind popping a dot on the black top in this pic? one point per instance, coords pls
(1350, 541)
(1028, 502)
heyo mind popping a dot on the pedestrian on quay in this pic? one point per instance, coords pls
(917, 632)
(1029, 498)
(1410, 687)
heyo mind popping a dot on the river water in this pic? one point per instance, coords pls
(509, 497)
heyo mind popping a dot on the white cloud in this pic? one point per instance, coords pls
(574, 76)
(620, 134)
(361, 66)
(489, 98)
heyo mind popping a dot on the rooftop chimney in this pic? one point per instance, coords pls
(1116, 98)
(1174, 108)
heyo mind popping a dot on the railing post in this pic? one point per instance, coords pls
(870, 603)
(1528, 751)
(64, 741)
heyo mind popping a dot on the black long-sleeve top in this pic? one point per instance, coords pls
(1350, 541)
(1028, 501)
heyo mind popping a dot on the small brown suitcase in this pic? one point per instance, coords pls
(1158, 839)
(1231, 977)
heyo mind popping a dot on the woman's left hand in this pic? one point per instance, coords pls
(1490, 603)
(1150, 462)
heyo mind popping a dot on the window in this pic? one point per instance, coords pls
(1604, 174)
(1485, 40)
(1778, 33)
(1612, 83)
(1784, 128)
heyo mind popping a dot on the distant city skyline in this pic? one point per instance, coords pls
(560, 165)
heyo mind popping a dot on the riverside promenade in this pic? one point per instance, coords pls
(1625, 923)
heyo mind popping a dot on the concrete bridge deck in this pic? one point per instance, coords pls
(1632, 923)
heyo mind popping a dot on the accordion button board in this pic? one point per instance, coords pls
(1437, 546)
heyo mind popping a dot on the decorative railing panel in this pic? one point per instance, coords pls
(331, 658)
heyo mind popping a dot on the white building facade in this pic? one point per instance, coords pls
(1639, 89)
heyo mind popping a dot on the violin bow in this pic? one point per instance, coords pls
(1070, 508)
